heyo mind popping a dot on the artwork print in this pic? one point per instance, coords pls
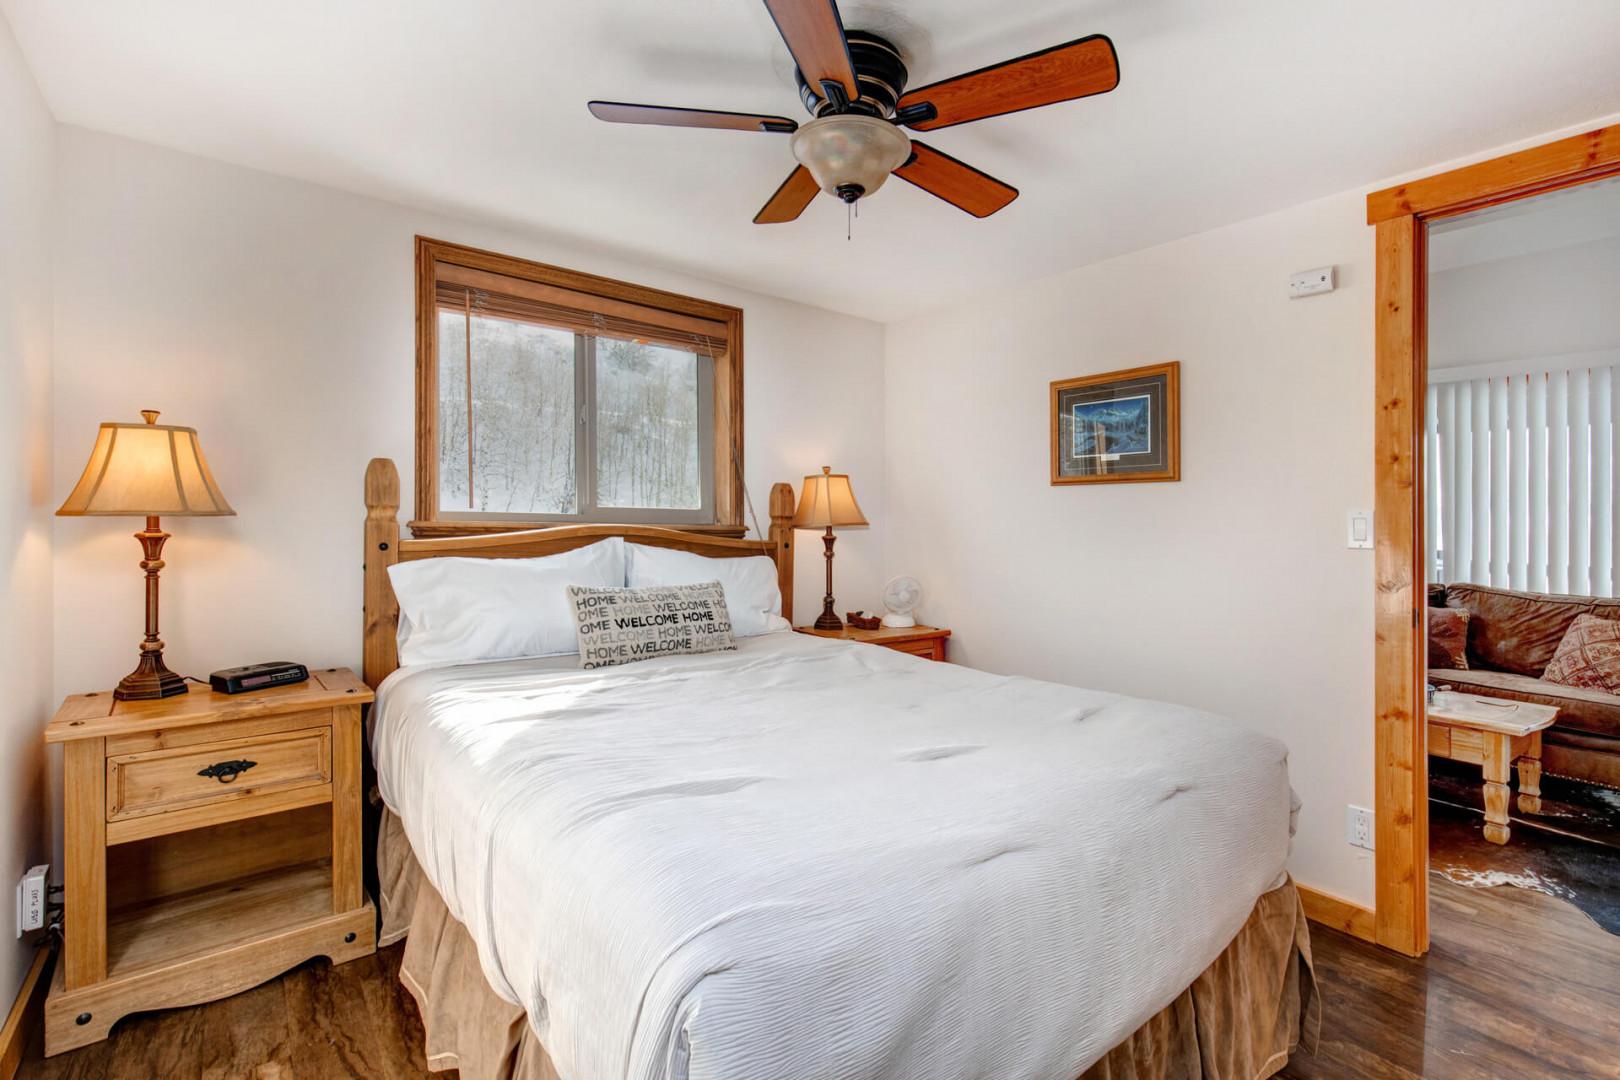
(1113, 428)
(1118, 426)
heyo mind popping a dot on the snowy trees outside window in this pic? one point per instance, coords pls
(647, 426)
(566, 424)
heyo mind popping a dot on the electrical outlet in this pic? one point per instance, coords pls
(31, 900)
(1358, 826)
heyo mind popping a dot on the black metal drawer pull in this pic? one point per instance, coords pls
(226, 771)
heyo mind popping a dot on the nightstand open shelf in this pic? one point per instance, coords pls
(211, 842)
(173, 930)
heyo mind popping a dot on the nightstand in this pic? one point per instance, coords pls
(211, 842)
(925, 641)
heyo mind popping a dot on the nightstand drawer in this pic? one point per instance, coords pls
(928, 648)
(160, 781)
(927, 642)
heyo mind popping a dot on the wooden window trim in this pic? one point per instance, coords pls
(1401, 213)
(728, 379)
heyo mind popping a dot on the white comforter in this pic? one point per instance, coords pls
(816, 859)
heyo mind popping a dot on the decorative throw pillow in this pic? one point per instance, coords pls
(1448, 637)
(1588, 656)
(621, 626)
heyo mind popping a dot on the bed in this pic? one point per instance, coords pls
(811, 858)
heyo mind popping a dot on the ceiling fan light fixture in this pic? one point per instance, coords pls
(850, 154)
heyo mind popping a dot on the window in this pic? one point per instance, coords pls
(545, 395)
(1519, 491)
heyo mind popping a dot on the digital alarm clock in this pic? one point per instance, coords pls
(239, 680)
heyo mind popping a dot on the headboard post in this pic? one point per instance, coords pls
(381, 650)
(782, 539)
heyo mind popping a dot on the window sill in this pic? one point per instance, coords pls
(430, 530)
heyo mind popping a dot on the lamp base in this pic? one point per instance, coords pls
(828, 621)
(151, 679)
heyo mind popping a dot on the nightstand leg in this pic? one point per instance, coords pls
(1498, 753)
(347, 891)
(84, 853)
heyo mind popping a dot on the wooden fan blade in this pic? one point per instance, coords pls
(790, 199)
(815, 37)
(619, 112)
(1062, 73)
(959, 184)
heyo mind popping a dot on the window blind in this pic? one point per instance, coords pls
(461, 288)
(1519, 474)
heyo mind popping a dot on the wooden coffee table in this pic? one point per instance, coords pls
(1495, 734)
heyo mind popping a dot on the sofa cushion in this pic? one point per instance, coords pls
(1579, 708)
(1588, 656)
(1592, 758)
(1448, 637)
(1514, 631)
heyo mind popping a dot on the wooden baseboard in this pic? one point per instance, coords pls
(1340, 914)
(24, 1020)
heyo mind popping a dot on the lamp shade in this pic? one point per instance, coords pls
(146, 470)
(827, 501)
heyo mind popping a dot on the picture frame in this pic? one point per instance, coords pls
(1119, 427)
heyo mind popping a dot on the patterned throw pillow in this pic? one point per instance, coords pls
(621, 626)
(1448, 637)
(1588, 656)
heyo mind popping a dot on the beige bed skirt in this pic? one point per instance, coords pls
(1239, 1020)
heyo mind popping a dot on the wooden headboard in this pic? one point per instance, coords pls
(384, 548)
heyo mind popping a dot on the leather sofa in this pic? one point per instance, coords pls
(1511, 638)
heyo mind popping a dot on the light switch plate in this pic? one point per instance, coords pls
(1359, 529)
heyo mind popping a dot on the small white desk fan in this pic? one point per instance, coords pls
(901, 596)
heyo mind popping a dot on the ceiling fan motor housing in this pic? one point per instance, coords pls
(879, 72)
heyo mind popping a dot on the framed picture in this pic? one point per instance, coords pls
(1119, 427)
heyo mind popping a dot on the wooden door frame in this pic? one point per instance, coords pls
(1400, 215)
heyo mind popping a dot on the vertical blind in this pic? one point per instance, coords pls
(1519, 481)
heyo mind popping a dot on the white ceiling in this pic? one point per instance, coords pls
(1225, 110)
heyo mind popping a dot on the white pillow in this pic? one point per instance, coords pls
(453, 610)
(753, 597)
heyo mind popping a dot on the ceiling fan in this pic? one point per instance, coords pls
(854, 85)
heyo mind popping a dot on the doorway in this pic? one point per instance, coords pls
(1519, 523)
(1402, 216)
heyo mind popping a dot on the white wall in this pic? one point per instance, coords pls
(276, 317)
(1231, 590)
(1525, 308)
(26, 147)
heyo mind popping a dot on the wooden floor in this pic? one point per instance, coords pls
(1516, 985)
(315, 1022)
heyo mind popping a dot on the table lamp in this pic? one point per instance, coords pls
(147, 470)
(827, 501)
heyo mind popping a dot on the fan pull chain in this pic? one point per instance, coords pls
(849, 221)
